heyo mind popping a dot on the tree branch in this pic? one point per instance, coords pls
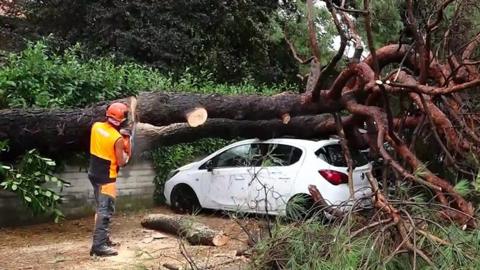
(312, 32)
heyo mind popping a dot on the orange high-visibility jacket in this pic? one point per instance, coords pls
(103, 162)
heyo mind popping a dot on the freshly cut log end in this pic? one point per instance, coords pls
(286, 118)
(194, 232)
(196, 116)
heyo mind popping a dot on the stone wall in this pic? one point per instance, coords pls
(135, 191)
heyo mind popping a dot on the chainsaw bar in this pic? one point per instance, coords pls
(133, 107)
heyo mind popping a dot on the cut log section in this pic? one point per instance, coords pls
(196, 116)
(286, 118)
(184, 226)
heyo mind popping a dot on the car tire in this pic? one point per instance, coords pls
(184, 200)
(300, 207)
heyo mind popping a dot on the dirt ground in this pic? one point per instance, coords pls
(66, 245)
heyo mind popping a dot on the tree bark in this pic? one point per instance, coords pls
(63, 130)
(306, 127)
(184, 226)
(160, 109)
(149, 136)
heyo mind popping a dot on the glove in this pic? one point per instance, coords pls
(126, 145)
(126, 133)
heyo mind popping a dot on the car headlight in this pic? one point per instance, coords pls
(172, 174)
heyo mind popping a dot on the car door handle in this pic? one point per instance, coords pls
(239, 178)
(284, 178)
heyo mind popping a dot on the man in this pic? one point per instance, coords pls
(109, 150)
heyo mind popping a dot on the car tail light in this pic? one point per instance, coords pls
(334, 177)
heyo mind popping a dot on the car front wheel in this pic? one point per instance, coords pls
(184, 200)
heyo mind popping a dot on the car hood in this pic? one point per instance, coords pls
(188, 166)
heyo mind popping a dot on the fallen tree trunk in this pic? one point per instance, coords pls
(160, 109)
(306, 127)
(71, 135)
(63, 130)
(184, 226)
(149, 136)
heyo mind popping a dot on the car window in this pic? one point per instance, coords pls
(238, 156)
(269, 155)
(333, 155)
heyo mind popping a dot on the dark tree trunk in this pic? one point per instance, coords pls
(307, 127)
(160, 109)
(62, 130)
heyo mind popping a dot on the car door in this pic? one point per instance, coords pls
(227, 179)
(272, 176)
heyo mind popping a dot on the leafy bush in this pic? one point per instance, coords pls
(205, 84)
(168, 158)
(33, 181)
(41, 78)
(38, 77)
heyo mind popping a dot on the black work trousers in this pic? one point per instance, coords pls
(104, 209)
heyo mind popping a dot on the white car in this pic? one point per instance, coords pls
(265, 176)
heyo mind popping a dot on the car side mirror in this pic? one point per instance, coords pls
(209, 165)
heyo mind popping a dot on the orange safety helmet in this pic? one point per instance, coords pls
(117, 111)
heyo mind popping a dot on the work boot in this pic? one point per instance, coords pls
(103, 251)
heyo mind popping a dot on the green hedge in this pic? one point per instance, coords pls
(42, 78)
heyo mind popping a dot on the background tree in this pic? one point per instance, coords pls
(229, 39)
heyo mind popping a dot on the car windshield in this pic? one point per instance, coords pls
(333, 155)
(257, 155)
(269, 155)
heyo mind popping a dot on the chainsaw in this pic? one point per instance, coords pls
(128, 133)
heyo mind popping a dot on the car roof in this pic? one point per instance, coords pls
(290, 141)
